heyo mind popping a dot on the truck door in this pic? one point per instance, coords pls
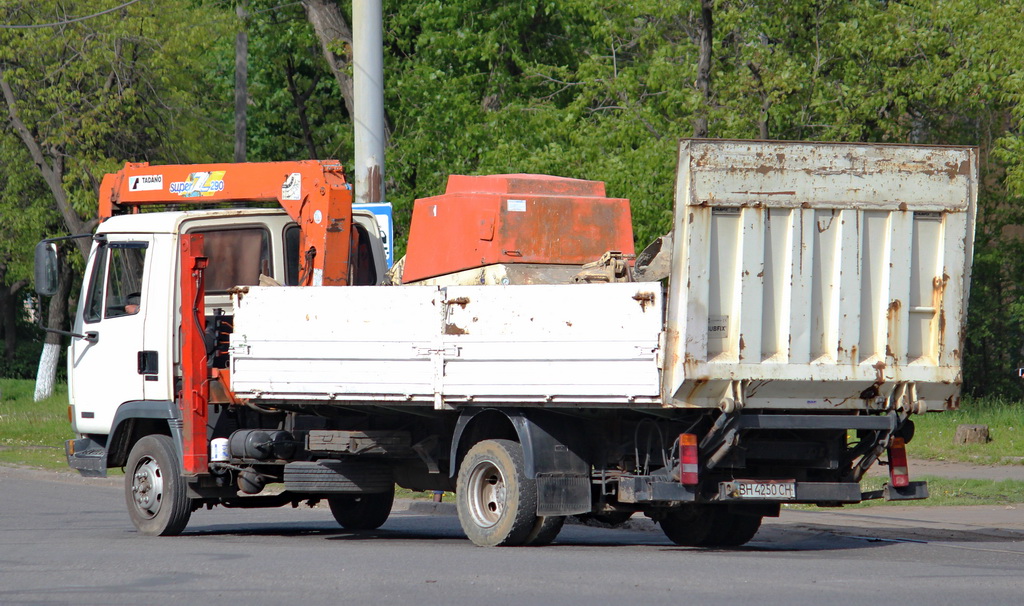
(105, 366)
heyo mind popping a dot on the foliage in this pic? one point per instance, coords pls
(603, 92)
(25, 212)
(86, 95)
(590, 90)
(129, 85)
(25, 360)
(295, 109)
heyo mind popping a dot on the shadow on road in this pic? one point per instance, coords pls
(921, 534)
(771, 538)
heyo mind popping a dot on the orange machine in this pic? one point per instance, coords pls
(505, 219)
(313, 192)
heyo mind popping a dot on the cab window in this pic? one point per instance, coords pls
(237, 257)
(124, 279)
(115, 283)
(94, 299)
(291, 255)
(362, 269)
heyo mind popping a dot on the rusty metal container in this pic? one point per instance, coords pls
(514, 219)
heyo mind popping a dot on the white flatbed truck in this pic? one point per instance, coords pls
(811, 299)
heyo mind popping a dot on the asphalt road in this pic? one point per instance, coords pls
(68, 541)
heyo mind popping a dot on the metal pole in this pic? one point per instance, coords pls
(368, 85)
(241, 79)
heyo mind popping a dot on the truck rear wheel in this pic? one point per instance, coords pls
(699, 525)
(154, 489)
(689, 525)
(497, 503)
(544, 531)
(732, 529)
(362, 511)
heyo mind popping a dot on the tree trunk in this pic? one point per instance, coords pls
(52, 170)
(700, 124)
(241, 81)
(46, 376)
(299, 99)
(766, 103)
(334, 33)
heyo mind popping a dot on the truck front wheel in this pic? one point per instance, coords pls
(154, 489)
(497, 503)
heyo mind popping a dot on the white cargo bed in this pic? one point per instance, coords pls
(805, 276)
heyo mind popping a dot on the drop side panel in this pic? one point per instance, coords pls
(548, 345)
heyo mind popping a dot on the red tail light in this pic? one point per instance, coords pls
(688, 459)
(899, 474)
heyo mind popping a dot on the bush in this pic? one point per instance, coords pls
(24, 362)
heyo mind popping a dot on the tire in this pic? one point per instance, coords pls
(732, 529)
(352, 476)
(689, 525)
(154, 489)
(545, 530)
(362, 512)
(496, 502)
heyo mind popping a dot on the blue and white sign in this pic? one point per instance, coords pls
(385, 220)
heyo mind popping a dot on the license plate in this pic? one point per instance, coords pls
(772, 490)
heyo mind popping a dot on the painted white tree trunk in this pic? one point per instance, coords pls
(47, 374)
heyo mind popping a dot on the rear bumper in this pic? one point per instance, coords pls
(913, 492)
(663, 490)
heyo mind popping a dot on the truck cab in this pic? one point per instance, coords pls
(122, 366)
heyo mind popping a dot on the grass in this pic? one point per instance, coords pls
(934, 433)
(405, 493)
(33, 433)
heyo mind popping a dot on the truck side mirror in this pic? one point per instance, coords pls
(46, 268)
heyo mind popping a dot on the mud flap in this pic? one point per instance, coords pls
(562, 495)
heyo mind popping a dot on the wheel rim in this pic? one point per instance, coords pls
(487, 493)
(148, 487)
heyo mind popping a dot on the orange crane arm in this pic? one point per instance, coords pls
(313, 192)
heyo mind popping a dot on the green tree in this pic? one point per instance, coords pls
(25, 215)
(85, 95)
(296, 110)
